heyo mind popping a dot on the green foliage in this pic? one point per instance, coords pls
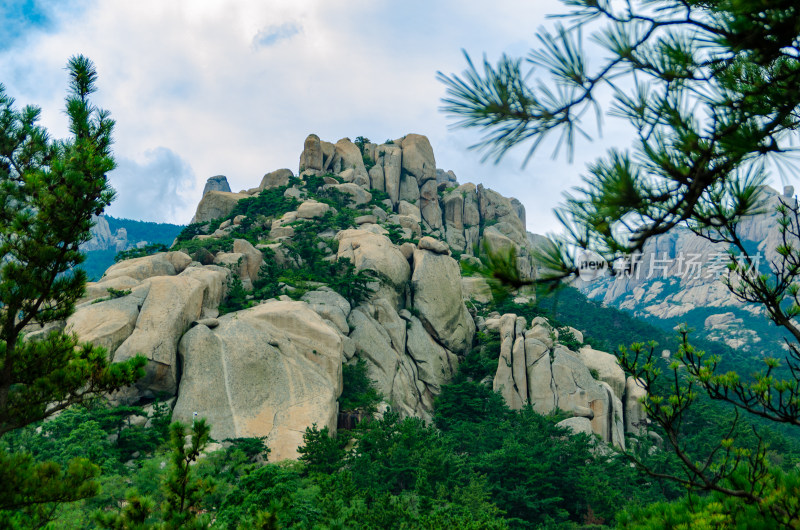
(322, 453)
(278, 490)
(465, 402)
(310, 255)
(149, 231)
(29, 490)
(718, 510)
(252, 448)
(213, 245)
(523, 457)
(369, 163)
(567, 338)
(314, 183)
(74, 447)
(709, 90)
(117, 293)
(132, 516)
(481, 361)
(146, 250)
(481, 466)
(183, 492)
(237, 298)
(194, 229)
(51, 189)
(704, 130)
(361, 142)
(395, 234)
(358, 391)
(340, 275)
(269, 203)
(112, 294)
(378, 196)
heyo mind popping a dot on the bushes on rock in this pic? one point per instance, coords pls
(268, 203)
(212, 245)
(481, 361)
(147, 250)
(358, 393)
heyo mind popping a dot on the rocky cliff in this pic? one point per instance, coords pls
(678, 278)
(111, 235)
(249, 320)
(104, 239)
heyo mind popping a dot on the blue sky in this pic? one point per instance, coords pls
(206, 87)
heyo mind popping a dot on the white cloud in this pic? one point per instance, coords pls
(153, 187)
(188, 75)
(271, 35)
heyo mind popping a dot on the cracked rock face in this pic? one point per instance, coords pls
(166, 296)
(534, 370)
(436, 285)
(275, 368)
(680, 274)
(271, 370)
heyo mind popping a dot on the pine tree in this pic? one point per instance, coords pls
(182, 491)
(49, 190)
(710, 89)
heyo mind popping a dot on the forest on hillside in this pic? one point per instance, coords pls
(97, 261)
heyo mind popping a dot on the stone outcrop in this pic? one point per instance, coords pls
(405, 169)
(679, 275)
(216, 204)
(418, 158)
(331, 306)
(275, 179)
(311, 158)
(107, 323)
(348, 157)
(607, 367)
(476, 288)
(535, 370)
(275, 368)
(375, 252)
(161, 297)
(436, 287)
(406, 364)
(311, 209)
(103, 239)
(172, 303)
(388, 159)
(161, 264)
(217, 183)
(635, 415)
(271, 370)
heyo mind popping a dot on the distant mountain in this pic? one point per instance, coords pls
(678, 280)
(111, 235)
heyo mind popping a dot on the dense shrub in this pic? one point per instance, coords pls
(358, 392)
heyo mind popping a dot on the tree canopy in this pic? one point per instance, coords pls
(49, 190)
(709, 89)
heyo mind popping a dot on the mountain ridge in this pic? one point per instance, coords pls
(251, 317)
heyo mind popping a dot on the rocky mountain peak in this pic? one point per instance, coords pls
(253, 316)
(678, 277)
(216, 183)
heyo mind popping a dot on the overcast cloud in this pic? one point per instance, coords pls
(154, 188)
(200, 88)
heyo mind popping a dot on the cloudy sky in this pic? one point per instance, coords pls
(207, 87)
